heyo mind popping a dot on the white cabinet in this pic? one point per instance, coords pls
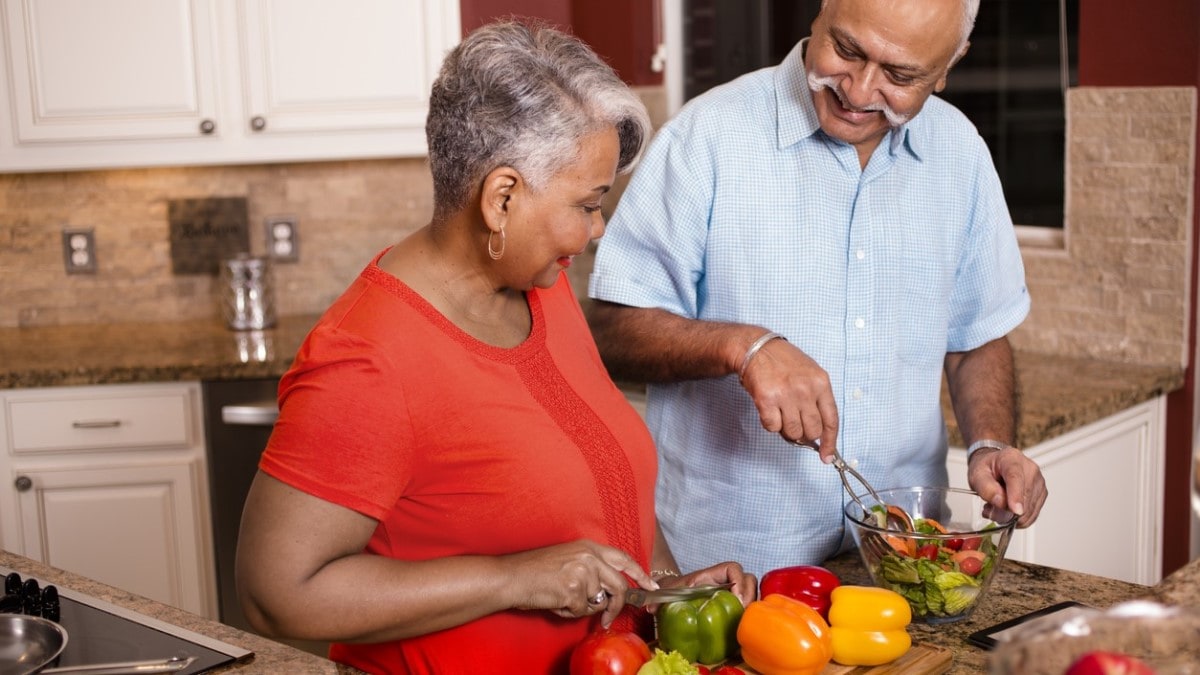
(110, 482)
(112, 83)
(1104, 512)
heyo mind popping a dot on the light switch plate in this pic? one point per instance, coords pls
(79, 250)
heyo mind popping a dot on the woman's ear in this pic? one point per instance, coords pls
(499, 186)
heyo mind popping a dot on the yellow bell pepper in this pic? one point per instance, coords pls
(780, 635)
(868, 625)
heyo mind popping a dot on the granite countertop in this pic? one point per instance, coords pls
(1018, 588)
(270, 657)
(1058, 394)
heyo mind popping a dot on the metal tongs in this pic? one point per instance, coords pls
(891, 511)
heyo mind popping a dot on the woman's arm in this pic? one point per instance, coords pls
(302, 573)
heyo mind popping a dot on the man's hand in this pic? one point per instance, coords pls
(793, 396)
(1009, 480)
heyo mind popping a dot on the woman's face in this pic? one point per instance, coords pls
(549, 227)
(868, 61)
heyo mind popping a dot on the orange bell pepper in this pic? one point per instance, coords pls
(783, 636)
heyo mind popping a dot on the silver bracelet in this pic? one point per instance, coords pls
(758, 344)
(984, 443)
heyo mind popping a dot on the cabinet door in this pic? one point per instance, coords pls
(1104, 512)
(313, 65)
(102, 70)
(82, 520)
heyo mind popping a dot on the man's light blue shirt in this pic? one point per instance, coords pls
(743, 210)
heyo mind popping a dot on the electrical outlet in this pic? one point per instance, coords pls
(79, 250)
(283, 244)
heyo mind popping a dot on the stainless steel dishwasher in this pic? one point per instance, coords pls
(238, 418)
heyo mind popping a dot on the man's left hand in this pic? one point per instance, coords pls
(1009, 480)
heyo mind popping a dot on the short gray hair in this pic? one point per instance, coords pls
(521, 94)
(970, 11)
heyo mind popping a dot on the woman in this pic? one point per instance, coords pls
(454, 483)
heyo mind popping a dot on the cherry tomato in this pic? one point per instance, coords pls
(970, 566)
(954, 544)
(1108, 663)
(972, 543)
(928, 551)
(609, 652)
(728, 670)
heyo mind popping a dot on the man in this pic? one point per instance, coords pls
(831, 202)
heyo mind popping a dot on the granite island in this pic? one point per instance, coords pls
(1017, 589)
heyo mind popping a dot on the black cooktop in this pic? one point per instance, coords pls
(101, 632)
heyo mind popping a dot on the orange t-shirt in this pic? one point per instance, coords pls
(458, 447)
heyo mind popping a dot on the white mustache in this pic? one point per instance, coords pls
(894, 119)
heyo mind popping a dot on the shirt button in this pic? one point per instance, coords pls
(853, 463)
(860, 254)
(857, 393)
(859, 323)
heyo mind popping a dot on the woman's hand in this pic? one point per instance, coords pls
(745, 585)
(576, 579)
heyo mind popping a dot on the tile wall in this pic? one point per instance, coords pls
(1116, 289)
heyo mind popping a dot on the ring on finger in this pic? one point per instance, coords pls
(597, 598)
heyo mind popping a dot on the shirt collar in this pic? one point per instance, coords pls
(798, 118)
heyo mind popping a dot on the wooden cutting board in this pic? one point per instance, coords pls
(922, 659)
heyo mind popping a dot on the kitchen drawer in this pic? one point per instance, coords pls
(42, 423)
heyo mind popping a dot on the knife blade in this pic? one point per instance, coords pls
(642, 597)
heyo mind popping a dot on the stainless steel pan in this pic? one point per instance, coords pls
(29, 643)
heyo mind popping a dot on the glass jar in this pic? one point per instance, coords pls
(247, 293)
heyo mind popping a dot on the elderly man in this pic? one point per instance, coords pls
(799, 258)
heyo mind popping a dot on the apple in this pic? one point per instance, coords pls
(1108, 663)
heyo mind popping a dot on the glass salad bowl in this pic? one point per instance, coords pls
(945, 566)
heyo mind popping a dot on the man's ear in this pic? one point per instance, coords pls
(498, 189)
(941, 83)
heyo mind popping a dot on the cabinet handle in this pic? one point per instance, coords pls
(23, 483)
(95, 424)
(208, 126)
(258, 123)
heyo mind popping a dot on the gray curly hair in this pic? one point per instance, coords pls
(521, 94)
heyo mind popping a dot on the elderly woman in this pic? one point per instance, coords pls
(454, 483)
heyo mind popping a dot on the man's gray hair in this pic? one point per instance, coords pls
(970, 11)
(521, 94)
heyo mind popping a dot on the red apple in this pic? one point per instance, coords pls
(1108, 663)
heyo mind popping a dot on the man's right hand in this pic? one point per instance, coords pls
(793, 396)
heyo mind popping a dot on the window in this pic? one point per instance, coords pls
(1011, 83)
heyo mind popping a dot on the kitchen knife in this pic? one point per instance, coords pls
(642, 597)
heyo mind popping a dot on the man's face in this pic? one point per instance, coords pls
(871, 60)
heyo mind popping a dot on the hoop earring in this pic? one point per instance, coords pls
(496, 255)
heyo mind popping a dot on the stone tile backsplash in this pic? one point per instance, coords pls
(1117, 289)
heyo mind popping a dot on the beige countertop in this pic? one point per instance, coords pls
(1018, 588)
(1057, 394)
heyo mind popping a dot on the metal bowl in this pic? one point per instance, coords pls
(28, 643)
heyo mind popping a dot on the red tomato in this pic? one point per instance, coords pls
(609, 652)
(954, 544)
(971, 566)
(703, 670)
(928, 551)
(1108, 663)
(728, 670)
(972, 544)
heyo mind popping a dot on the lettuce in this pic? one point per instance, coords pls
(668, 663)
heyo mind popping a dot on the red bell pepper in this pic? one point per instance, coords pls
(809, 584)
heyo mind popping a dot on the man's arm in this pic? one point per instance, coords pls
(983, 391)
(791, 392)
(654, 345)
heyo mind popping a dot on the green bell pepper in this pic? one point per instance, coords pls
(703, 630)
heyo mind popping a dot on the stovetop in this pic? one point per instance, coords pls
(101, 632)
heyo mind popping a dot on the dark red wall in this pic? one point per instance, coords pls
(621, 31)
(1153, 44)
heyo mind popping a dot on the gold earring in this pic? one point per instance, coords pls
(496, 255)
